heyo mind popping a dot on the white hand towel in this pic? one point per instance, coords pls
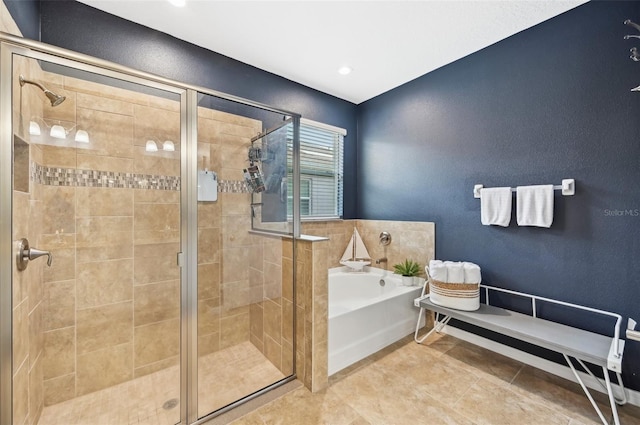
(534, 205)
(495, 206)
(472, 273)
(455, 272)
(437, 270)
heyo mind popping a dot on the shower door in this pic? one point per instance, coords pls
(126, 296)
(245, 280)
(96, 299)
(274, 212)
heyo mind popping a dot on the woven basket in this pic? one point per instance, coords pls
(459, 296)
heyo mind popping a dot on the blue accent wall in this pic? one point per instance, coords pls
(81, 28)
(26, 14)
(549, 103)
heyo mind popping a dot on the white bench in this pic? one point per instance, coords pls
(581, 345)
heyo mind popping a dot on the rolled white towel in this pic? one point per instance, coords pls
(471, 273)
(455, 272)
(437, 270)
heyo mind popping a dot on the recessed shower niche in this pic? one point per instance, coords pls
(21, 164)
(155, 303)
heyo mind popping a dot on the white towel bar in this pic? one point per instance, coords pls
(568, 188)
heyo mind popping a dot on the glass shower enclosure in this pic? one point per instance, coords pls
(134, 285)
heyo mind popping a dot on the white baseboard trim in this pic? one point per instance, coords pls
(633, 397)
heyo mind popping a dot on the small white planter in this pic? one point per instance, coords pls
(408, 280)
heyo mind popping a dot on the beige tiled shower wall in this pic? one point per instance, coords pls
(271, 320)
(112, 295)
(311, 313)
(245, 280)
(271, 310)
(114, 290)
(225, 246)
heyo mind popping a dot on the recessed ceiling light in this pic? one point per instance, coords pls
(344, 70)
(178, 3)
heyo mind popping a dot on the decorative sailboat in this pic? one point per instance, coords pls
(355, 256)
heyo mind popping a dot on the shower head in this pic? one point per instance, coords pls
(55, 99)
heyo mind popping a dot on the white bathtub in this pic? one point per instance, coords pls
(364, 316)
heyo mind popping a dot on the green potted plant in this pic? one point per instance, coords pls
(407, 269)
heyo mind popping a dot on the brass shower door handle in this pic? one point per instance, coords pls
(26, 253)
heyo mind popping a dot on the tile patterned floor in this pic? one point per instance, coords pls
(140, 401)
(444, 381)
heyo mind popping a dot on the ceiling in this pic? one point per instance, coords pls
(386, 43)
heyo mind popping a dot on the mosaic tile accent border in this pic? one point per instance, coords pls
(54, 176)
(232, 186)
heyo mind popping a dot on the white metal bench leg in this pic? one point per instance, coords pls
(415, 335)
(588, 394)
(621, 401)
(612, 400)
(624, 392)
(437, 326)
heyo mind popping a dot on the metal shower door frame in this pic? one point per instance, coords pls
(187, 257)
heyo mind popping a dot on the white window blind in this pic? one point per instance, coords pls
(321, 171)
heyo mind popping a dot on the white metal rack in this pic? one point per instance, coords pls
(573, 343)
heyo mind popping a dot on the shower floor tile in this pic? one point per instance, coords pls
(224, 377)
(230, 374)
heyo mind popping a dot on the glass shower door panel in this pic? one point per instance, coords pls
(245, 342)
(275, 212)
(97, 185)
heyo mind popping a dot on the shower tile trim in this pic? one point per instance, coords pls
(57, 176)
(233, 186)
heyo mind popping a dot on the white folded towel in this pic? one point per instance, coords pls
(534, 205)
(495, 206)
(472, 273)
(437, 270)
(455, 272)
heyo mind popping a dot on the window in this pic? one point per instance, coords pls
(321, 171)
(305, 197)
